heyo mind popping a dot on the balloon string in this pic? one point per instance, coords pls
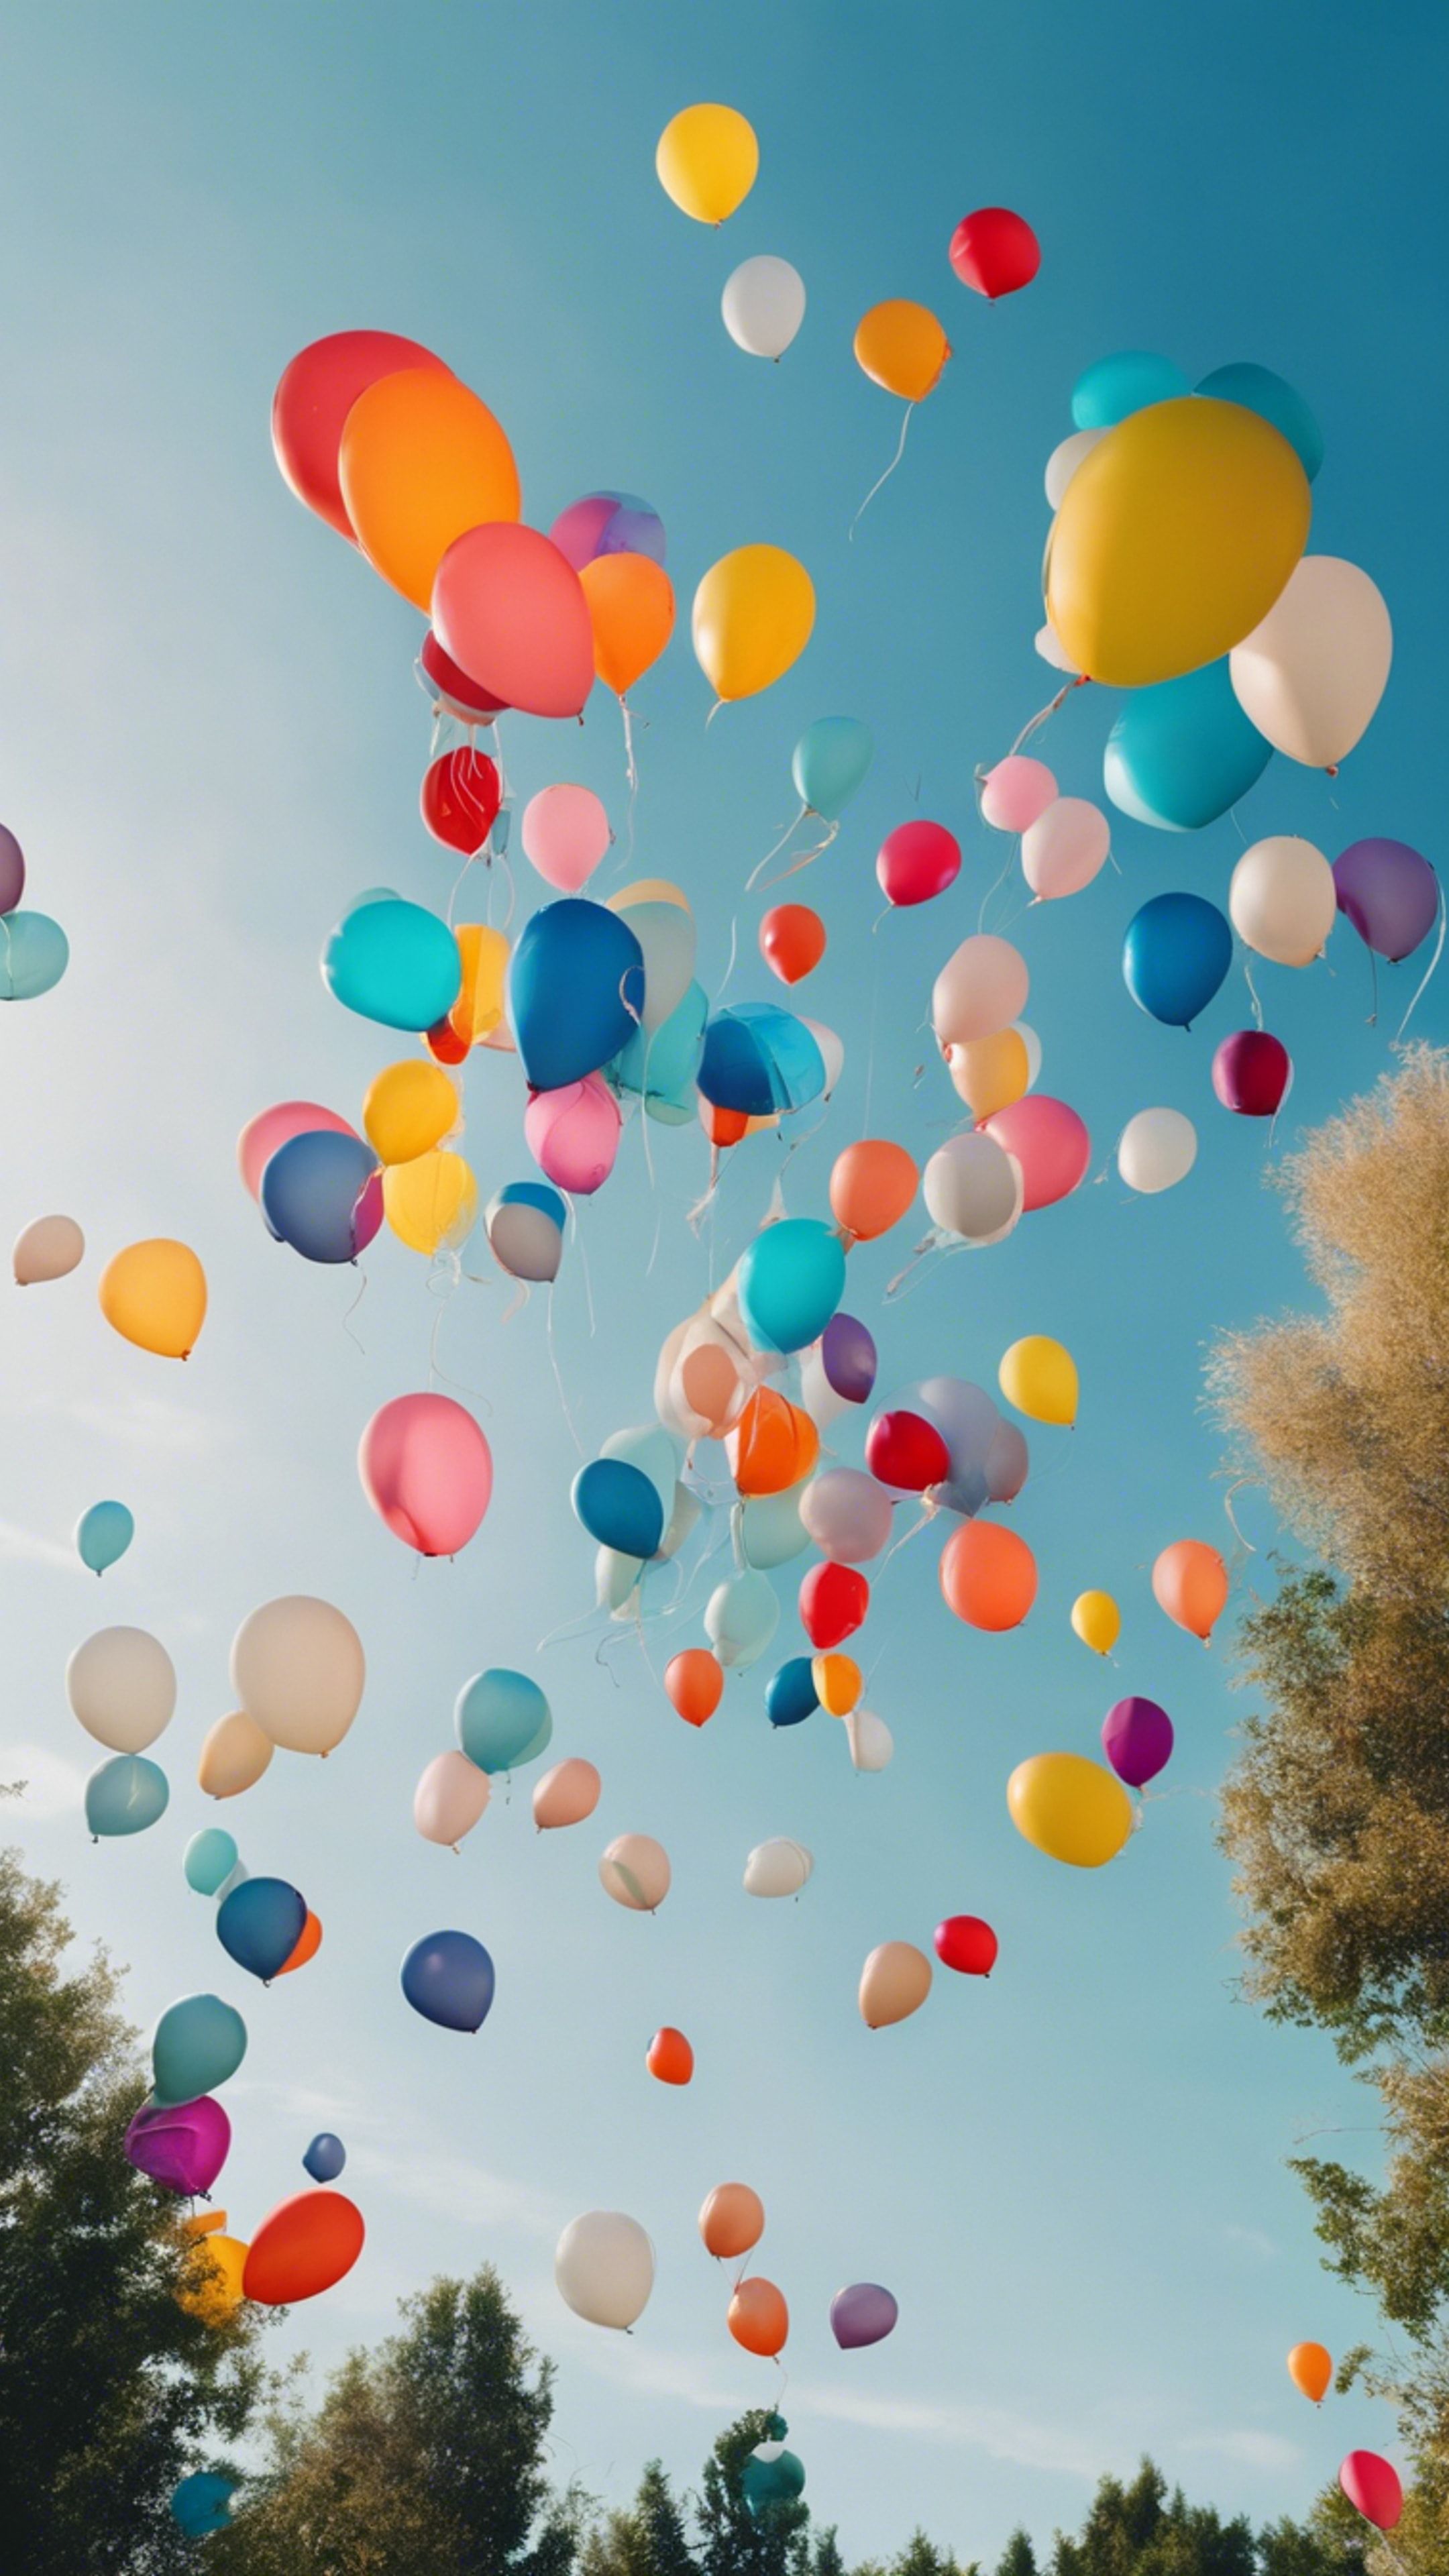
(696, 1215)
(805, 860)
(998, 882)
(790, 830)
(870, 1041)
(730, 968)
(1253, 993)
(1245, 1543)
(928, 1514)
(909, 1278)
(1429, 970)
(884, 478)
(631, 773)
(1045, 714)
(558, 1377)
(352, 1309)
(1373, 1017)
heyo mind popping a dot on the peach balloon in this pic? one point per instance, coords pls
(271, 1129)
(759, 2319)
(894, 1983)
(631, 608)
(233, 1756)
(1016, 793)
(427, 1471)
(980, 989)
(710, 1388)
(732, 2221)
(1190, 1582)
(573, 1134)
(565, 834)
(872, 1186)
(566, 1795)
(988, 1575)
(694, 1683)
(449, 1799)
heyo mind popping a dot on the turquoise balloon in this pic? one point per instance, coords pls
(1116, 387)
(502, 1719)
(125, 1795)
(208, 1860)
(196, 2045)
(1259, 390)
(661, 1064)
(1182, 752)
(393, 962)
(34, 954)
(830, 760)
(790, 1282)
(771, 1530)
(103, 1534)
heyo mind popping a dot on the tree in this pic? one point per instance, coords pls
(729, 2541)
(825, 2558)
(1139, 2530)
(647, 2539)
(1018, 2558)
(921, 2557)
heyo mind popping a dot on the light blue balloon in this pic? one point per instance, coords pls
(1259, 390)
(662, 1064)
(196, 2045)
(1116, 387)
(202, 2502)
(667, 938)
(393, 962)
(502, 1719)
(759, 1060)
(126, 1795)
(771, 1530)
(790, 1282)
(1182, 752)
(830, 761)
(103, 1534)
(208, 1860)
(740, 1617)
(34, 954)
(1177, 950)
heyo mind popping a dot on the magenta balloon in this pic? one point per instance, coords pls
(12, 870)
(865, 2313)
(573, 1134)
(271, 1129)
(1372, 2488)
(1390, 894)
(1050, 1143)
(183, 2146)
(1137, 1740)
(427, 1471)
(917, 861)
(848, 1357)
(1251, 1073)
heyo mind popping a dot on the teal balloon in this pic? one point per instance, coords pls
(103, 1534)
(126, 1795)
(202, 2502)
(1182, 752)
(1259, 390)
(660, 1065)
(393, 962)
(208, 1860)
(759, 1060)
(1116, 387)
(196, 2045)
(502, 1719)
(790, 1282)
(768, 2483)
(829, 763)
(34, 954)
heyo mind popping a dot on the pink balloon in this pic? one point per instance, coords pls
(1016, 792)
(918, 861)
(566, 1794)
(1065, 847)
(511, 611)
(264, 1135)
(1049, 1142)
(1372, 2488)
(565, 834)
(573, 1134)
(427, 1471)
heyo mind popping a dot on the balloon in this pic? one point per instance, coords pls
(575, 990)
(662, 922)
(234, 1756)
(847, 1514)
(894, 1983)
(320, 1193)
(48, 1248)
(760, 1059)
(427, 1471)
(34, 954)
(432, 1203)
(773, 1446)
(619, 1507)
(1016, 793)
(1373, 2489)
(308, 1943)
(1177, 950)
(979, 990)
(763, 305)
(154, 1294)
(297, 1668)
(1047, 1142)
(1008, 1463)
(1061, 466)
(182, 2146)
(758, 2318)
(970, 1425)
(208, 1860)
(669, 2057)
(448, 1978)
(421, 460)
(302, 2247)
(502, 1719)
(260, 1924)
(393, 962)
(901, 347)
(215, 2269)
(1065, 848)
(459, 799)
(792, 941)
(865, 2313)
(848, 1358)
(752, 618)
(973, 1188)
(477, 1014)
(906, 1452)
(409, 1108)
(732, 2221)
(525, 1225)
(454, 693)
(1174, 538)
(125, 1795)
(988, 1575)
(1282, 900)
(770, 2476)
(604, 2267)
(916, 862)
(630, 601)
(1116, 387)
(1190, 1582)
(1182, 753)
(1259, 390)
(201, 2502)
(741, 1615)
(566, 1795)
(997, 253)
(1310, 2368)
(791, 1280)
(103, 1534)
(1137, 1740)
(838, 1682)
(870, 1739)
(965, 1943)
(1039, 1378)
(1049, 645)
(790, 1693)
(1156, 1149)
(635, 1872)
(1097, 1620)
(121, 1684)
(829, 762)
(325, 2157)
(771, 1531)
(990, 1073)
(196, 2045)
(1070, 1808)
(1252, 1073)
(1389, 893)
(313, 398)
(694, 1683)
(565, 834)
(449, 1799)
(12, 870)
(271, 1129)
(1312, 671)
(707, 159)
(608, 523)
(661, 1063)
(511, 609)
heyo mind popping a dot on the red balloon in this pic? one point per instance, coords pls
(305, 2245)
(1050, 1143)
(833, 1602)
(460, 695)
(965, 1943)
(460, 797)
(917, 861)
(906, 1452)
(511, 609)
(995, 251)
(445, 1046)
(1372, 2488)
(1252, 1073)
(311, 404)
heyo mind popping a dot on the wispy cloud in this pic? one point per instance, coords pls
(129, 1419)
(1251, 2449)
(432, 2177)
(1250, 2240)
(53, 1786)
(25, 1547)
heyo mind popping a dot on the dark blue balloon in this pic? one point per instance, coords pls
(319, 1194)
(575, 990)
(619, 1506)
(260, 1925)
(448, 1978)
(1259, 390)
(1181, 753)
(202, 2502)
(790, 1695)
(325, 2157)
(1177, 950)
(759, 1059)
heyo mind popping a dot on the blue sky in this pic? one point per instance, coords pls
(1072, 2178)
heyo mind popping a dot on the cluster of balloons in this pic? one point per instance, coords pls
(34, 950)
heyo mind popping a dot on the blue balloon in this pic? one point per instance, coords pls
(1259, 390)
(790, 1695)
(125, 1795)
(1116, 387)
(1177, 950)
(575, 990)
(448, 1978)
(393, 962)
(260, 1924)
(790, 1282)
(312, 1192)
(661, 1064)
(534, 1194)
(619, 1506)
(758, 1060)
(325, 2157)
(502, 1719)
(103, 1534)
(196, 2045)
(34, 954)
(202, 2502)
(830, 761)
(208, 1860)
(1182, 752)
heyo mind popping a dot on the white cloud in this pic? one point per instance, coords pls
(24, 1547)
(1250, 2240)
(433, 2178)
(53, 1786)
(1241, 2443)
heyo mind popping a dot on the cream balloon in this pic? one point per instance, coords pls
(121, 1684)
(894, 1983)
(1065, 848)
(449, 1798)
(604, 2267)
(1156, 1149)
(1283, 900)
(47, 1249)
(1063, 462)
(832, 1052)
(973, 1189)
(566, 1794)
(870, 1739)
(778, 1868)
(979, 990)
(616, 1582)
(298, 1668)
(1311, 675)
(1051, 648)
(763, 305)
(233, 1756)
(635, 1872)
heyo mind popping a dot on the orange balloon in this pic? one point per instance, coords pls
(422, 460)
(204, 2223)
(773, 1445)
(1190, 1582)
(722, 1126)
(1311, 2369)
(871, 1187)
(838, 1682)
(631, 604)
(732, 2221)
(792, 941)
(694, 1680)
(304, 2246)
(759, 2319)
(988, 1575)
(670, 2058)
(709, 1382)
(309, 1942)
(902, 346)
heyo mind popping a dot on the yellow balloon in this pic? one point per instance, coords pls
(479, 1006)
(707, 160)
(648, 890)
(1039, 1378)
(431, 1203)
(990, 1073)
(1174, 538)
(902, 346)
(409, 1109)
(1097, 1620)
(838, 1683)
(214, 2269)
(753, 614)
(1070, 1808)
(154, 1294)
(422, 460)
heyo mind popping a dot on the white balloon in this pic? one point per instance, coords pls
(604, 2267)
(682, 1521)
(980, 989)
(1065, 848)
(1051, 648)
(1032, 1044)
(778, 1868)
(1156, 1150)
(1283, 900)
(1311, 675)
(47, 1249)
(121, 1684)
(234, 1756)
(764, 305)
(616, 1582)
(973, 1189)
(871, 1741)
(449, 1798)
(740, 1617)
(832, 1049)
(635, 1872)
(298, 1668)
(1064, 460)
(847, 1514)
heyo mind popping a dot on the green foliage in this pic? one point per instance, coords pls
(1018, 2558)
(647, 2539)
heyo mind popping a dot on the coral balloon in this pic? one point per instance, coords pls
(792, 941)
(1190, 1582)
(995, 251)
(511, 609)
(901, 347)
(1310, 2368)
(773, 1445)
(427, 1471)
(304, 2246)
(894, 1983)
(1070, 1808)
(631, 609)
(758, 2318)
(1049, 1144)
(988, 1576)
(309, 1942)
(459, 799)
(694, 1682)
(154, 1294)
(965, 1943)
(421, 460)
(707, 158)
(872, 1186)
(566, 1795)
(312, 401)
(732, 2221)
(670, 2059)
(753, 616)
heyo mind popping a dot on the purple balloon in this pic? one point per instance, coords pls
(1390, 894)
(12, 870)
(1137, 1740)
(183, 2145)
(848, 1357)
(865, 2313)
